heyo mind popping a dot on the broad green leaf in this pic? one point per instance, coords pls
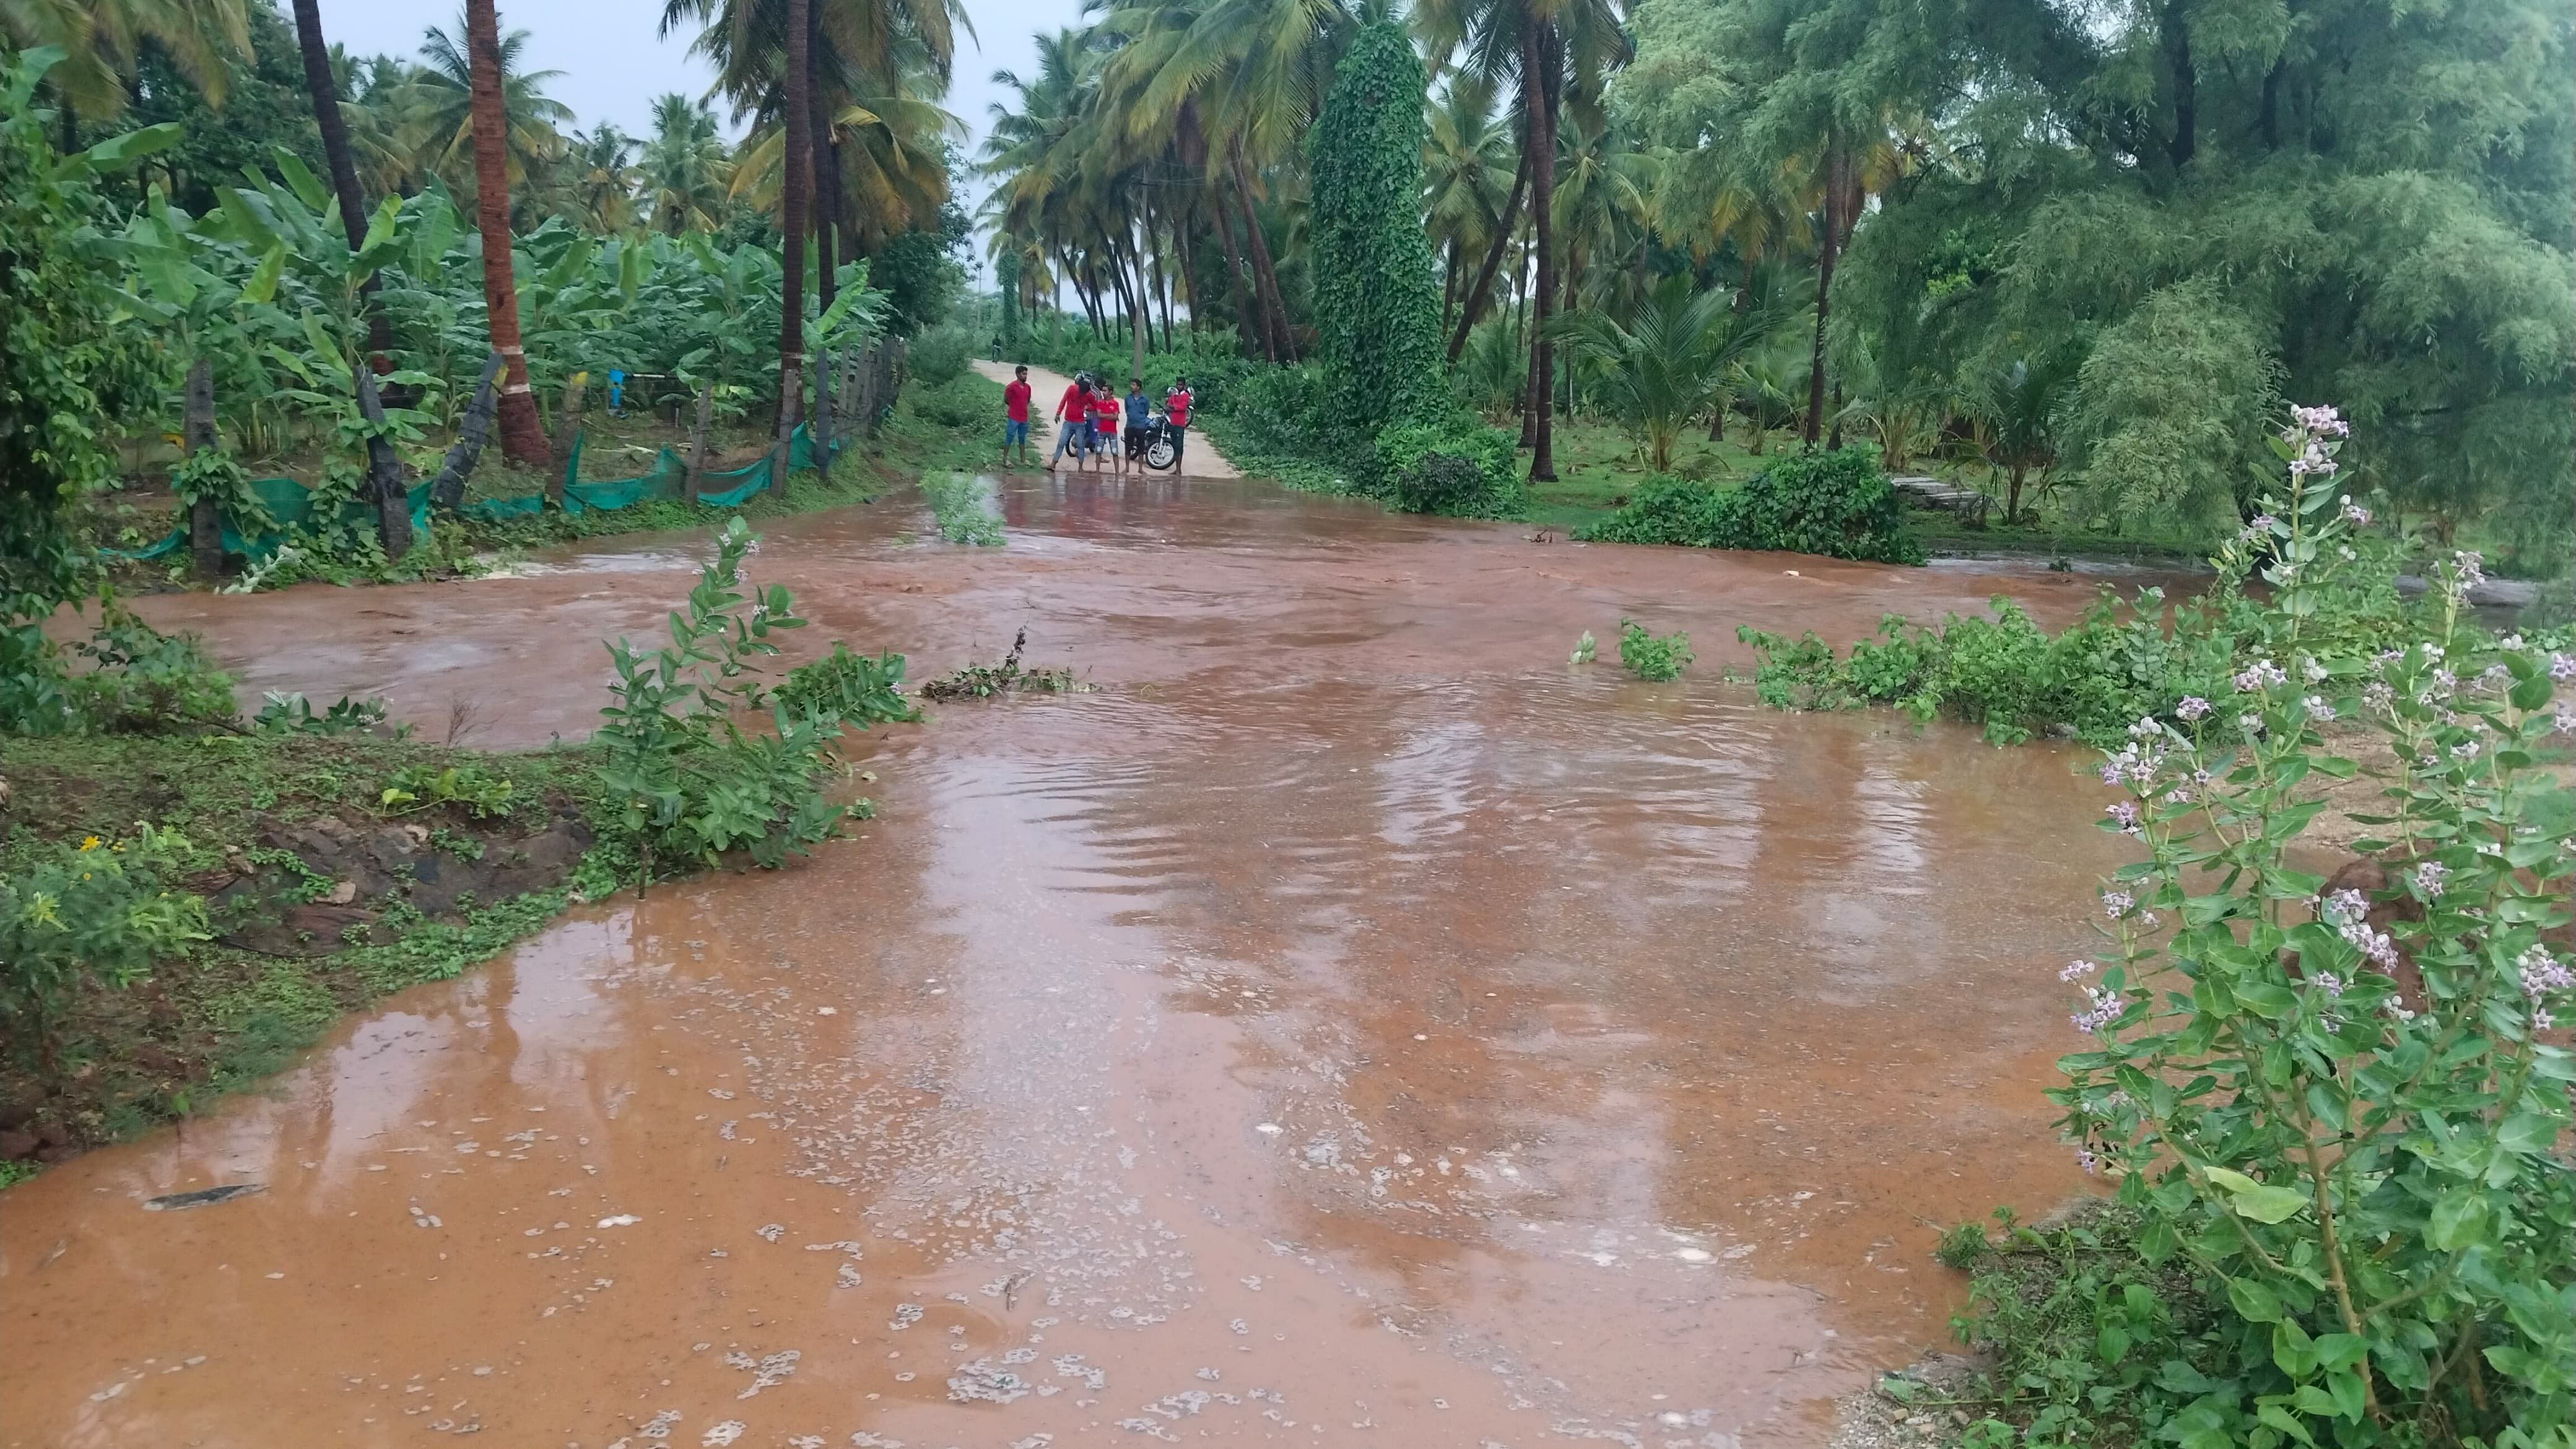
(120, 153)
(261, 289)
(2253, 1302)
(2527, 1132)
(2456, 1219)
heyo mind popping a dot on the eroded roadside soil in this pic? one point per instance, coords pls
(1349, 1025)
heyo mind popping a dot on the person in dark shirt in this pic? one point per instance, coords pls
(1140, 411)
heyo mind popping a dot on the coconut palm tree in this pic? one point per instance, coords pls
(600, 179)
(523, 439)
(686, 167)
(441, 119)
(1549, 47)
(1470, 180)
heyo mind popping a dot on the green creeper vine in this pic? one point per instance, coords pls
(1377, 305)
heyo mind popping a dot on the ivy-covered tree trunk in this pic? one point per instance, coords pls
(1377, 307)
(795, 171)
(448, 489)
(694, 481)
(196, 432)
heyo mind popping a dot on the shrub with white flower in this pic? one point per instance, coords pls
(2365, 1182)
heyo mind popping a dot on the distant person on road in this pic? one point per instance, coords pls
(1140, 412)
(1104, 418)
(1176, 411)
(1072, 422)
(1015, 416)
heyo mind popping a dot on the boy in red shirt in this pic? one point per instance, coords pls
(1073, 423)
(1104, 427)
(1176, 411)
(1015, 415)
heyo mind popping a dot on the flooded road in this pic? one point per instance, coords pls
(1348, 1025)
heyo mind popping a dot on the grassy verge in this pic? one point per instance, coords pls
(1597, 465)
(321, 899)
(1234, 440)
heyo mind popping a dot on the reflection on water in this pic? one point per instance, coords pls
(1350, 1026)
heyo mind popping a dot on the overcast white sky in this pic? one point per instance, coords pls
(614, 64)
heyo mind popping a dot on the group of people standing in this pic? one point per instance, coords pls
(1093, 422)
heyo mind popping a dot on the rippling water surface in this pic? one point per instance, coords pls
(1349, 1024)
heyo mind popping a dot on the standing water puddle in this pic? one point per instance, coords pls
(1351, 1025)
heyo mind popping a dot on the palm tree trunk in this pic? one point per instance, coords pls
(1243, 314)
(798, 153)
(197, 433)
(336, 154)
(1162, 289)
(1449, 284)
(1838, 162)
(1483, 291)
(1272, 303)
(826, 168)
(1539, 96)
(523, 437)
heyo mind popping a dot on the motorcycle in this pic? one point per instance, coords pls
(1157, 445)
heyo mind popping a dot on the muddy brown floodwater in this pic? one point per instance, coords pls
(1350, 1025)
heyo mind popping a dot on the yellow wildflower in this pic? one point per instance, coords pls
(90, 844)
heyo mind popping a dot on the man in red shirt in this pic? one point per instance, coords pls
(1176, 411)
(1015, 415)
(1073, 423)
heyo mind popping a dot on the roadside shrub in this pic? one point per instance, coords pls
(851, 688)
(1835, 504)
(1283, 410)
(1663, 510)
(683, 780)
(1656, 657)
(140, 680)
(940, 355)
(959, 403)
(2010, 677)
(2333, 1108)
(98, 911)
(1454, 472)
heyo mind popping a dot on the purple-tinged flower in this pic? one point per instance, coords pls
(2541, 1020)
(2262, 523)
(2543, 973)
(2343, 905)
(2078, 970)
(2147, 920)
(2116, 904)
(2472, 567)
(2321, 421)
(2562, 667)
(2396, 1006)
(2566, 721)
(2445, 683)
(2191, 708)
(2126, 814)
(2105, 1009)
(2112, 772)
(2251, 724)
(2429, 877)
(2496, 679)
(2200, 777)
(2377, 696)
(2177, 796)
(2084, 1159)
(2316, 673)
(2260, 674)
(2465, 750)
(2317, 708)
(2329, 983)
(2354, 513)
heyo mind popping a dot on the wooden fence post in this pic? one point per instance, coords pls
(197, 431)
(447, 491)
(567, 433)
(695, 480)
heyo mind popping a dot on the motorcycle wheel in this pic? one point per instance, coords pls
(1159, 454)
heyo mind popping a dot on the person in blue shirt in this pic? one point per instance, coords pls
(1140, 411)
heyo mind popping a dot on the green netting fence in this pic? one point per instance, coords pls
(291, 504)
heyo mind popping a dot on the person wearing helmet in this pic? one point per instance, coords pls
(1073, 423)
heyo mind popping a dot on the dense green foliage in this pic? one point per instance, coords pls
(1837, 504)
(100, 911)
(1377, 311)
(1447, 469)
(2333, 1105)
(2186, 209)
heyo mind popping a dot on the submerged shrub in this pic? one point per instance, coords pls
(1654, 657)
(1454, 472)
(851, 688)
